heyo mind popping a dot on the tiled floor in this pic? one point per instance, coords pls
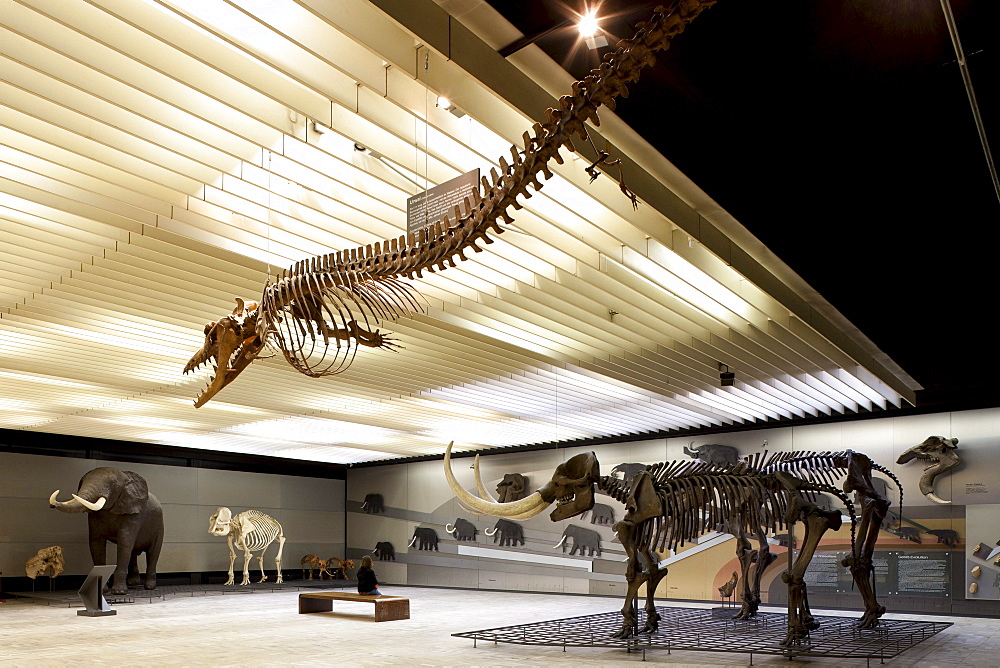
(266, 629)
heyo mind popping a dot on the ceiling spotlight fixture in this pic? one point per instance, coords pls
(449, 106)
(588, 30)
(726, 377)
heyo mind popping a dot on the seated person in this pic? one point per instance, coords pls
(367, 582)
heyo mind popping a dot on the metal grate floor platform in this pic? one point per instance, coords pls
(714, 630)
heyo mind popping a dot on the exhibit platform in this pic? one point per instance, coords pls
(714, 630)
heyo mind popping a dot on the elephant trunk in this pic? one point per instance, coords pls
(73, 506)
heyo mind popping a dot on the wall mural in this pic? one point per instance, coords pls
(427, 537)
(373, 504)
(384, 551)
(462, 529)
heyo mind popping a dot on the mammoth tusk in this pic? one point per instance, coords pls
(561, 541)
(52, 499)
(488, 532)
(935, 498)
(91, 506)
(449, 530)
(525, 505)
(483, 492)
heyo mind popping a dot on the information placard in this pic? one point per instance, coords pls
(435, 203)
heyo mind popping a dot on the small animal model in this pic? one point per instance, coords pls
(462, 530)
(338, 567)
(602, 514)
(47, 561)
(911, 534)
(322, 565)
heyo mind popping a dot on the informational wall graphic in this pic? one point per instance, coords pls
(435, 203)
(923, 573)
(905, 573)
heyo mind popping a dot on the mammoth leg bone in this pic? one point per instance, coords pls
(874, 508)
(744, 553)
(817, 522)
(633, 576)
(653, 577)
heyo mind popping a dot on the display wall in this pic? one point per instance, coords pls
(310, 511)
(929, 575)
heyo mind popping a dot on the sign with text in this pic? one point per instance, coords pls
(435, 203)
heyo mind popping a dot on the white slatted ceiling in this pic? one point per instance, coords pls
(158, 159)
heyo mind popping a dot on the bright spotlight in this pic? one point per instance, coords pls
(444, 102)
(587, 25)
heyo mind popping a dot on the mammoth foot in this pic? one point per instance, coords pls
(627, 631)
(119, 589)
(870, 620)
(747, 611)
(652, 624)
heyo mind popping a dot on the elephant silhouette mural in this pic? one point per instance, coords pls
(714, 454)
(463, 529)
(384, 551)
(584, 539)
(374, 504)
(601, 514)
(628, 470)
(509, 533)
(428, 539)
(119, 509)
(513, 487)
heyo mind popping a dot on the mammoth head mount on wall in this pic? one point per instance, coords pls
(513, 487)
(943, 455)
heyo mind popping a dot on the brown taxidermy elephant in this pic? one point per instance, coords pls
(119, 508)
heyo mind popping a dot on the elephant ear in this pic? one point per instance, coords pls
(134, 494)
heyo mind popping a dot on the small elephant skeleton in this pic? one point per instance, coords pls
(250, 531)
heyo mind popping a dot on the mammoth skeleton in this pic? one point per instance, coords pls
(672, 503)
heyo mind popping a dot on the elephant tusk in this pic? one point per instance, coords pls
(483, 492)
(487, 532)
(91, 506)
(935, 498)
(528, 503)
(52, 499)
(410, 544)
(451, 530)
(563, 540)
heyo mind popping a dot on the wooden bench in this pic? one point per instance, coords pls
(387, 608)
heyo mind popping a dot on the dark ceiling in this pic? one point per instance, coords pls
(840, 133)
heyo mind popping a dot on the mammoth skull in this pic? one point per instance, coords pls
(941, 452)
(572, 487)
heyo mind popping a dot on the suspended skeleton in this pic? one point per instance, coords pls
(318, 312)
(672, 503)
(250, 531)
